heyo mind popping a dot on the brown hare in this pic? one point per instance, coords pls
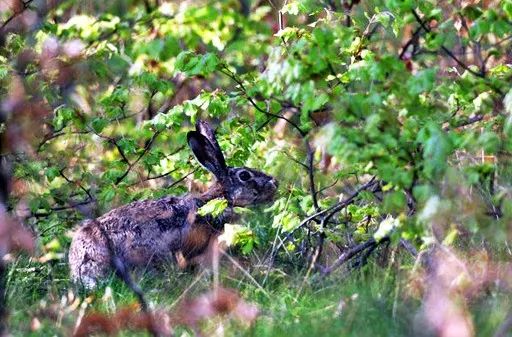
(146, 232)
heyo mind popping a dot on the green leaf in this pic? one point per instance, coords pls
(107, 194)
(288, 221)
(52, 173)
(215, 207)
(237, 235)
(423, 81)
(4, 71)
(192, 65)
(98, 124)
(128, 145)
(170, 48)
(437, 147)
(63, 115)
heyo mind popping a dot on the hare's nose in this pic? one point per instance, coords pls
(272, 184)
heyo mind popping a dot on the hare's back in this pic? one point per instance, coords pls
(149, 227)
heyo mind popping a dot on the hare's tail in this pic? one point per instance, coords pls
(89, 258)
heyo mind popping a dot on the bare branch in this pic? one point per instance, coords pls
(352, 252)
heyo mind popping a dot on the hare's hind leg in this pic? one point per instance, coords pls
(207, 257)
(89, 259)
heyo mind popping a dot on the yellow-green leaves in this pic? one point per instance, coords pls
(214, 207)
(288, 221)
(385, 228)
(238, 235)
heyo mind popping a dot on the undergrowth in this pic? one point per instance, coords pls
(372, 301)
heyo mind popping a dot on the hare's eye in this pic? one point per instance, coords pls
(244, 175)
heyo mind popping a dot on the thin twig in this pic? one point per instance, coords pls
(191, 285)
(147, 146)
(409, 247)
(338, 207)
(72, 182)
(311, 173)
(446, 50)
(467, 122)
(350, 253)
(122, 272)
(231, 75)
(327, 187)
(412, 42)
(57, 134)
(245, 272)
(325, 214)
(15, 15)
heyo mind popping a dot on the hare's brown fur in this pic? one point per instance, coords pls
(146, 232)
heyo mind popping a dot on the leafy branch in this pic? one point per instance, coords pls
(323, 216)
(447, 51)
(145, 150)
(309, 151)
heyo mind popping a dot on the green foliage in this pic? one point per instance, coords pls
(191, 65)
(215, 207)
(346, 86)
(413, 94)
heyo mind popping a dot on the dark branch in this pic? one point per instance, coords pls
(323, 216)
(70, 206)
(76, 183)
(57, 134)
(467, 122)
(147, 146)
(231, 75)
(352, 252)
(15, 15)
(338, 207)
(122, 272)
(311, 174)
(412, 42)
(446, 50)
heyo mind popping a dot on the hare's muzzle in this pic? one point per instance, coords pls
(271, 188)
(272, 185)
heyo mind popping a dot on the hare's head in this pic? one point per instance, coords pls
(241, 186)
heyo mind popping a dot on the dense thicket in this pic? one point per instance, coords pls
(386, 122)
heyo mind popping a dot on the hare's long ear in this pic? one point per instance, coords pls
(207, 154)
(206, 130)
